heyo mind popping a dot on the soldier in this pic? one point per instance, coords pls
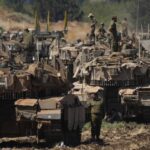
(27, 40)
(93, 27)
(114, 34)
(128, 45)
(27, 45)
(96, 105)
(133, 38)
(101, 32)
(124, 25)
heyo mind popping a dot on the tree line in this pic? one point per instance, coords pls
(79, 9)
(55, 7)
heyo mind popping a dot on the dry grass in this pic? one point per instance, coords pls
(10, 20)
(76, 30)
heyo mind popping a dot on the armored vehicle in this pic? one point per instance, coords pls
(29, 80)
(40, 117)
(34, 82)
(114, 72)
(136, 101)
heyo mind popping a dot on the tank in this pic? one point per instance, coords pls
(113, 72)
(27, 79)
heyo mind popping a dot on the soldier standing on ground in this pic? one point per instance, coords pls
(96, 105)
(93, 28)
(114, 34)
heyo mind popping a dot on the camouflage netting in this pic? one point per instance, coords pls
(33, 77)
(115, 68)
(46, 76)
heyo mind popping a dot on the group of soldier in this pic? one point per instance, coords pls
(23, 42)
(96, 102)
(112, 36)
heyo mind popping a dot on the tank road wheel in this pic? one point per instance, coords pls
(125, 113)
(38, 133)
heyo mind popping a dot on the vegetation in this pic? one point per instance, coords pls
(106, 125)
(56, 8)
(105, 9)
(79, 9)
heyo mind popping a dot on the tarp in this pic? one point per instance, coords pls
(26, 102)
(129, 65)
(93, 89)
(48, 104)
(146, 44)
(26, 109)
(73, 113)
(126, 91)
(49, 114)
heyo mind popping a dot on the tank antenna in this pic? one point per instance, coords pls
(137, 16)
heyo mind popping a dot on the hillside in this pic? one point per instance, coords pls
(56, 8)
(10, 20)
(105, 9)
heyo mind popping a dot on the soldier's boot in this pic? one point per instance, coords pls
(97, 138)
(93, 138)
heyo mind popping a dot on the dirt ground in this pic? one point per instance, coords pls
(117, 136)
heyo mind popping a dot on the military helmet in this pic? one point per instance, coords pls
(93, 25)
(114, 17)
(26, 30)
(90, 15)
(125, 18)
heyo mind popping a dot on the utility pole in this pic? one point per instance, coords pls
(137, 16)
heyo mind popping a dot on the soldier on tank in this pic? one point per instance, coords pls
(96, 104)
(27, 45)
(93, 28)
(27, 40)
(101, 32)
(114, 34)
(124, 26)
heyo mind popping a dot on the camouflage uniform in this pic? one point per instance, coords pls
(101, 33)
(27, 40)
(97, 113)
(124, 25)
(93, 28)
(113, 31)
(92, 33)
(28, 46)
